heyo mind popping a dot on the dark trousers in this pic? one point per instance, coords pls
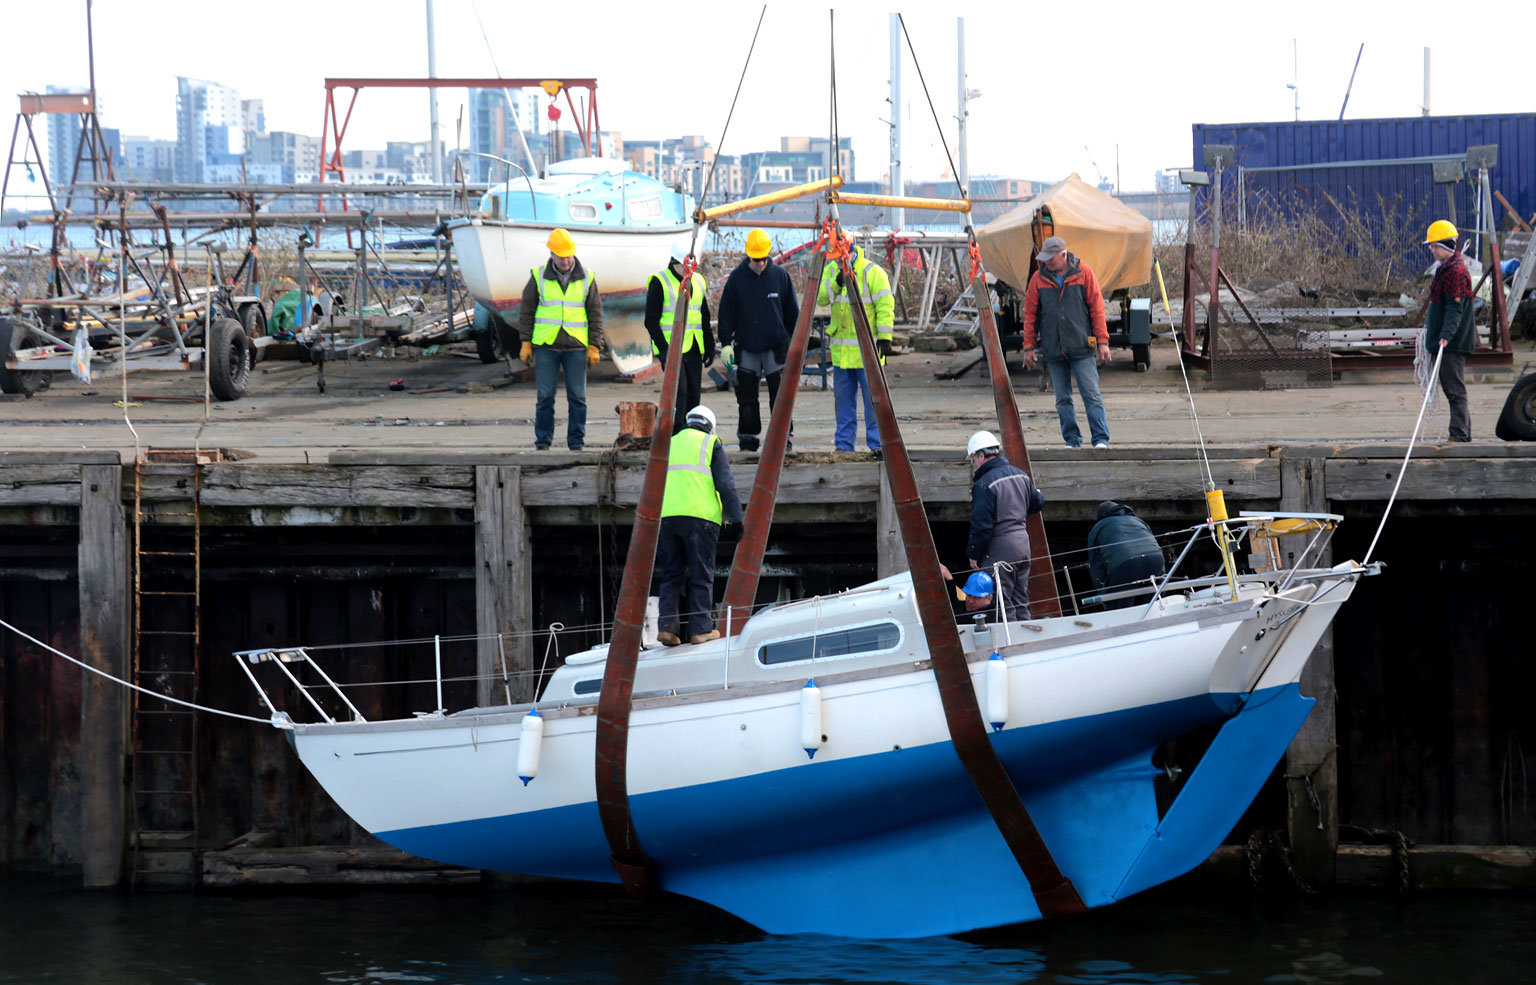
(689, 386)
(685, 553)
(548, 363)
(749, 424)
(1452, 366)
(1124, 574)
(1014, 584)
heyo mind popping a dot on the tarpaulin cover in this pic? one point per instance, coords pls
(1114, 240)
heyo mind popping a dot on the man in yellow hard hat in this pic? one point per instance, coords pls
(1448, 323)
(561, 324)
(757, 315)
(848, 375)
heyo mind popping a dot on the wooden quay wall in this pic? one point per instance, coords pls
(1422, 725)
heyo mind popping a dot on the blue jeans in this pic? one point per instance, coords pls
(547, 363)
(847, 384)
(1087, 374)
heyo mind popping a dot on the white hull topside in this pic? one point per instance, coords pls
(431, 771)
(495, 256)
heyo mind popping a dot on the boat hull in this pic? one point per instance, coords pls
(882, 833)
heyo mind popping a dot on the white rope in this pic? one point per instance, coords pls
(142, 690)
(1429, 392)
(1194, 416)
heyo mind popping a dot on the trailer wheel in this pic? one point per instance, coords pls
(229, 355)
(254, 320)
(1517, 422)
(23, 381)
(487, 334)
(1141, 354)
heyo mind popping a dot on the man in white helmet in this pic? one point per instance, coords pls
(700, 495)
(698, 341)
(1002, 499)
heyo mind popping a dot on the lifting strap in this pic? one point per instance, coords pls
(1043, 599)
(613, 704)
(1054, 892)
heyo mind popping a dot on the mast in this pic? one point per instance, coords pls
(964, 177)
(436, 148)
(898, 187)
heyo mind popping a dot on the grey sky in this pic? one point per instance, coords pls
(1054, 77)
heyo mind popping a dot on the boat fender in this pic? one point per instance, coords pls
(529, 746)
(997, 691)
(810, 718)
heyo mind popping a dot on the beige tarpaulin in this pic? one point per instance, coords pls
(1113, 239)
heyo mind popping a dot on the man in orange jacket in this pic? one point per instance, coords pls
(1064, 326)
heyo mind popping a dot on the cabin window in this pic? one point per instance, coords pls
(646, 208)
(591, 686)
(875, 638)
(583, 211)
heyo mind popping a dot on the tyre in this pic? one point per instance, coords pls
(229, 359)
(1517, 422)
(13, 334)
(254, 320)
(1141, 355)
(488, 334)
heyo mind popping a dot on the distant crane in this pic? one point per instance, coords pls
(1105, 185)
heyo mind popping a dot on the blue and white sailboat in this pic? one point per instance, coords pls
(864, 822)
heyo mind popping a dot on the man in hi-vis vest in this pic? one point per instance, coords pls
(700, 494)
(848, 373)
(698, 341)
(561, 323)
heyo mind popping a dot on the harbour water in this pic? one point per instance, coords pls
(53, 932)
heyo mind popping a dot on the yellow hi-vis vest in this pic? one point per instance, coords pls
(559, 309)
(693, 335)
(879, 305)
(690, 484)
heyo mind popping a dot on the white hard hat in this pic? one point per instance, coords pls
(702, 413)
(981, 441)
(679, 250)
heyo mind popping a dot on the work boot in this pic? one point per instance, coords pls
(668, 639)
(713, 634)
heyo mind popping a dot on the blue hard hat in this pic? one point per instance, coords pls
(980, 583)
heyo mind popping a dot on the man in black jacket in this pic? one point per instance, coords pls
(699, 342)
(1002, 499)
(1122, 551)
(757, 314)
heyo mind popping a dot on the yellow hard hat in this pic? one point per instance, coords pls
(561, 244)
(1439, 230)
(758, 244)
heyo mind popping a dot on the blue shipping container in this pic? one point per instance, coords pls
(1410, 186)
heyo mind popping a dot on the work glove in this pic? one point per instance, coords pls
(883, 346)
(839, 280)
(730, 530)
(593, 356)
(781, 352)
(661, 352)
(709, 358)
(526, 354)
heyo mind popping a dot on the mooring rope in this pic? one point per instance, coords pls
(118, 680)
(1429, 393)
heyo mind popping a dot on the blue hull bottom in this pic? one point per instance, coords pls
(899, 844)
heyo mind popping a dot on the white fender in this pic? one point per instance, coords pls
(529, 745)
(810, 718)
(997, 691)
